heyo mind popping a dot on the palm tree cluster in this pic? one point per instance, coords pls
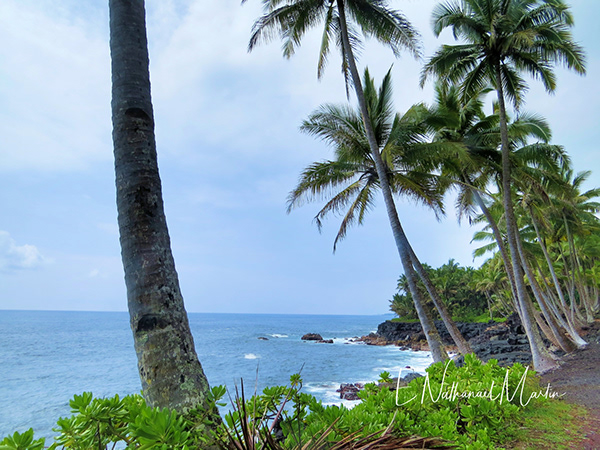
(504, 170)
(460, 290)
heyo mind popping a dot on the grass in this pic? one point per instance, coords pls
(400, 319)
(552, 425)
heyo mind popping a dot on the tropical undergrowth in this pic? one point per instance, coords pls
(477, 406)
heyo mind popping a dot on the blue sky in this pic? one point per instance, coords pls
(229, 153)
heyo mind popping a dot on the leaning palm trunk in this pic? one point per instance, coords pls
(461, 343)
(170, 372)
(551, 328)
(433, 338)
(571, 327)
(501, 247)
(577, 275)
(542, 361)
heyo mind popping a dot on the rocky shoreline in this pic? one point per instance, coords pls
(503, 341)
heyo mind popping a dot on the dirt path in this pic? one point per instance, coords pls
(579, 378)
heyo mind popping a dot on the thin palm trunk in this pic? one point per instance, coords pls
(556, 303)
(550, 328)
(461, 343)
(431, 333)
(169, 369)
(577, 276)
(501, 245)
(542, 361)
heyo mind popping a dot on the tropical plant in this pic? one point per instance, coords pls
(426, 407)
(169, 369)
(505, 38)
(457, 119)
(22, 441)
(292, 19)
(455, 285)
(352, 179)
(105, 423)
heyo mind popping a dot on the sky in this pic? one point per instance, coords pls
(230, 150)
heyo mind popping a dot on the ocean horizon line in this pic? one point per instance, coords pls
(204, 312)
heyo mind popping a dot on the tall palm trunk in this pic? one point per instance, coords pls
(170, 372)
(570, 326)
(501, 247)
(431, 333)
(542, 361)
(461, 343)
(552, 329)
(577, 274)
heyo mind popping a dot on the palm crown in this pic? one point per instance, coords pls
(350, 180)
(506, 36)
(291, 19)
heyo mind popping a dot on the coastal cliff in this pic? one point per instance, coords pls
(503, 341)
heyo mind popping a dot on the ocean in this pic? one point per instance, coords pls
(48, 356)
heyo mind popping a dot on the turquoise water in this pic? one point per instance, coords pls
(48, 356)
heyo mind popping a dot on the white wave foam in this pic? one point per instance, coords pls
(277, 335)
(251, 356)
(347, 340)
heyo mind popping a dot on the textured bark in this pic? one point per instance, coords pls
(170, 372)
(431, 333)
(542, 361)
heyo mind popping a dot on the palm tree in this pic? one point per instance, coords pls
(538, 211)
(170, 372)
(350, 181)
(574, 210)
(505, 38)
(295, 18)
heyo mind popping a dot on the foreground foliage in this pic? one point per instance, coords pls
(477, 406)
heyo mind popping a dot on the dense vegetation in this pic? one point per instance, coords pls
(505, 172)
(477, 406)
(459, 289)
(540, 222)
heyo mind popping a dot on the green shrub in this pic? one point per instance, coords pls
(448, 403)
(22, 441)
(477, 406)
(101, 423)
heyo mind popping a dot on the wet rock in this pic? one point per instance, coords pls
(312, 337)
(349, 391)
(325, 341)
(505, 341)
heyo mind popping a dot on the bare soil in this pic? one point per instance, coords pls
(578, 378)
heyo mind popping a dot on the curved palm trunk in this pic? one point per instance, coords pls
(461, 343)
(570, 326)
(551, 328)
(433, 338)
(501, 246)
(542, 361)
(170, 372)
(577, 275)
(570, 308)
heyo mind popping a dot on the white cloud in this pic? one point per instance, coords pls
(13, 256)
(55, 91)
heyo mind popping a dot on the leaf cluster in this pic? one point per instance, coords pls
(105, 423)
(469, 422)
